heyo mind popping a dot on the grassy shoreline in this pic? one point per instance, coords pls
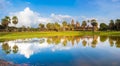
(18, 35)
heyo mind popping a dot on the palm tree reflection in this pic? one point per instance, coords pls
(15, 49)
(6, 48)
(111, 42)
(117, 43)
(64, 42)
(84, 43)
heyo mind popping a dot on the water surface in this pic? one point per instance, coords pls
(62, 51)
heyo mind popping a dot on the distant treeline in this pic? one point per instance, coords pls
(88, 25)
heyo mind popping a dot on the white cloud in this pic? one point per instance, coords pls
(27, 17)
(60, 17)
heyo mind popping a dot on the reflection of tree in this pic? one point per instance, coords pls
(103, 38)
(68, 38)
(84, 43)
(116, 39)
(49, 41)
(15, 49)
(111, 42)
(94, 43)
(73, 40)
(64, 42)
(118, 43)
(6, 48)
(57, 40)
(77, 39)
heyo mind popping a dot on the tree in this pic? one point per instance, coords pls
(84, 23)
(23, 28)
(103, 27)
(41, 26)
(94, 24)
(117, 24)
(14, 20)
(5, 22)
(50, 26)
(57, 26)
(64, 23)
(111, 25)
(8, 19)
(2, 27)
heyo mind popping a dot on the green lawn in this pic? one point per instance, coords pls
(16, 35)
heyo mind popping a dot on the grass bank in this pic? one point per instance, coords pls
(17, 35)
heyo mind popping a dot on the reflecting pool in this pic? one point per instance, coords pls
(62, 51)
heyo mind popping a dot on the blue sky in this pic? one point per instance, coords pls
(103, 10)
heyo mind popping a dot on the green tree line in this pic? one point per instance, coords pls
(112, 26)
(88, 25)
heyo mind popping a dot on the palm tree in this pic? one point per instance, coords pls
(57, 26)
(94, 24)
(41, 26)
(8, 19)
(5, 22)
(117, 24)
(84, 24)
(14, 20)
(111, 25)
(48, 26)
(64, 23)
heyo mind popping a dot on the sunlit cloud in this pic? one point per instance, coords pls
(27, 17)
